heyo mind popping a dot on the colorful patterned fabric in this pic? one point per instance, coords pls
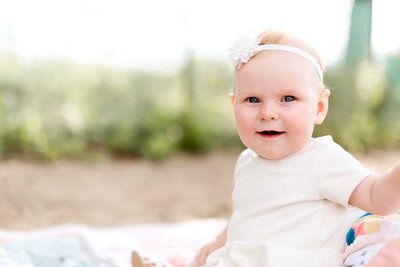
(373, 241)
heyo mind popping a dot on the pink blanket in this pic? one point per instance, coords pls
(175, 243)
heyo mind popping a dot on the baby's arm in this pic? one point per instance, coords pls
(206, 250)
(379, 194)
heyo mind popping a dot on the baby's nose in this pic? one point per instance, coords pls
(268, 112)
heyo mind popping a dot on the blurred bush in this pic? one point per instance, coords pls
(364, 105)
(54, 109)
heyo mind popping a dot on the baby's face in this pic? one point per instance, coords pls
(276, 103)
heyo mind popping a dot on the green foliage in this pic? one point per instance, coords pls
(363, 108)
(54, 109)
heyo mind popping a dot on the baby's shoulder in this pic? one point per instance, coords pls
(326, 145)
(246, 155)
(330, 153)
(323, 140)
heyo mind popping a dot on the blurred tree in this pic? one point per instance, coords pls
(359, 44)
(356, 84)
(188, 76)
(364, 90)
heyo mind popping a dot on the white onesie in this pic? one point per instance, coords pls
(290, 212)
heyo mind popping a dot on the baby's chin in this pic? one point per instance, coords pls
(277, 154)
(272, 156)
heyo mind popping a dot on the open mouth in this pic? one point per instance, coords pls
(270, 134)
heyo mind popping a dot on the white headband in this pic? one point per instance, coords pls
(245, 48)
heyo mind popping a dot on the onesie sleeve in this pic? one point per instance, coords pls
(243, 158)
(337, 173)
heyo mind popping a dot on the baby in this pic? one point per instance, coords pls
(292, 192)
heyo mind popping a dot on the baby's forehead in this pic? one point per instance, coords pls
(292, 62)
(279, 65)
(277, 71)
(277, 90)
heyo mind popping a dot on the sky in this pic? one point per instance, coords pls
(158, 33)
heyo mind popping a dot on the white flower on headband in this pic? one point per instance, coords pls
(242, 50)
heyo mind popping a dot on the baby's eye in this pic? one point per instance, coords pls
(288, 98)
(253, 99)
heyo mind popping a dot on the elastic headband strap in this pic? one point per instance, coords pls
(292, 49)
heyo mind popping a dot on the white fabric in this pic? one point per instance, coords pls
(291, 212)
(293, 50)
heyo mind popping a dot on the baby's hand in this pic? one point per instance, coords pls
(200, 259)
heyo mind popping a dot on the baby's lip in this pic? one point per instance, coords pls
(270, 133)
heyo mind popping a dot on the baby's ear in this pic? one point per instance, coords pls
(323, 103)
(232, 98)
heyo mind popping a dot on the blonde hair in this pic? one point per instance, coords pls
(272, 36)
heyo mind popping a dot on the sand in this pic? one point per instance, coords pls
(124, 191)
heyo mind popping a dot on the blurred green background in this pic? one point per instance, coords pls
(52, 108)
